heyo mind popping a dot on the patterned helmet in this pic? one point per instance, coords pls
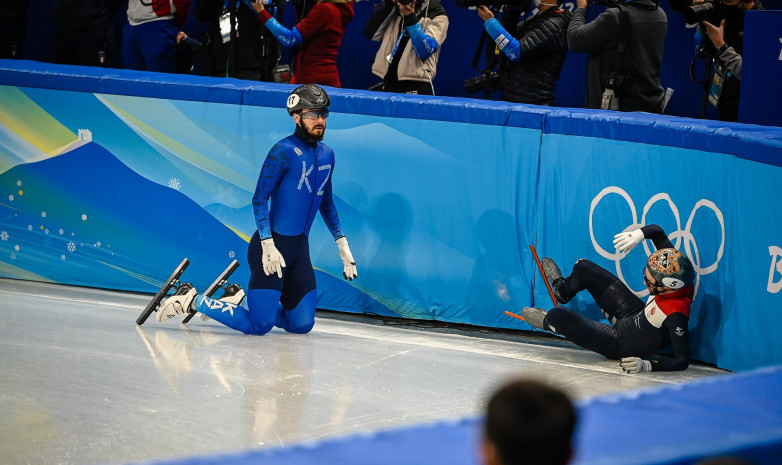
(671, 268)
(308, 96)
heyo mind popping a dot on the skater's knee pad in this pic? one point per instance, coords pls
(262, 306)
(582, 264)
(301, 318)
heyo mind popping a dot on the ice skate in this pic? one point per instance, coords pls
(554, 275)
(535, 317)
(234, 294)
(157, 300)
(178, 304)
(220, 282)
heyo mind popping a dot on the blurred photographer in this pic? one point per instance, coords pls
(237, 44)
(535, 52)
(318, 35)
(723, 24)
(411, 33)
(625, 45)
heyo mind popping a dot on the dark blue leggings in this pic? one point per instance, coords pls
(288, 302)
(614, 298)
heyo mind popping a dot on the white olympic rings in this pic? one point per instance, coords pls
(677, 236)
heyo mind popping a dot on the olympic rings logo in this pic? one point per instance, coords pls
(690, 247)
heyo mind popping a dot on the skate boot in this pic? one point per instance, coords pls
(234, 294)
(554, 276)
(535, 317)
(180, 303)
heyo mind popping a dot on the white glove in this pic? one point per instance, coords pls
(349, 272)
(272, 258)
(626, 241)
(635, 365)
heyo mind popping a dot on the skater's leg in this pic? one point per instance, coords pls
(251, 320)
(613, 297)
(586, 333)
(301, 318)
(300, 296)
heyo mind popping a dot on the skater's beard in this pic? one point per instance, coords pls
(316, 133)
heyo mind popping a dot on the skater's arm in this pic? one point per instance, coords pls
(328, 211)
(658, 237)
(274, 167)
(676, 323)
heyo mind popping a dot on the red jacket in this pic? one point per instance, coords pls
(321, 32)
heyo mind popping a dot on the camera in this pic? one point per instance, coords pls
(189, 44)
(484, 81)
(712, 11)
(493, 3)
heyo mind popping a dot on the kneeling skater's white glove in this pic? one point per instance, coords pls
(349, 271)
(272, 258)
(626, 241)
(635, 365)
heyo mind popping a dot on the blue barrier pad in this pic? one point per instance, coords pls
(748, 141)
(738, 415)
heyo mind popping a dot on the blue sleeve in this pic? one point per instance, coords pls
(274, 167)
(505, 42)
(424, 45)
(328, 211)
(287, 38)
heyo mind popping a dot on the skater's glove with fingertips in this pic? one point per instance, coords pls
(626, 241)
(272, 258)
(634, 365)
(349, 270)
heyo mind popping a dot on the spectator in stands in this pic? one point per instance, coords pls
(319, 33)
(728, 41)
(411, 34)
(149, 37)
(625, 45)
(252, 55)
(528, 422)
(536, 52)
(84, 31)
(13, 27)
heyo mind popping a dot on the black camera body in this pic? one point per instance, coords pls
(712, 11)
(482, 82)
(523, 4)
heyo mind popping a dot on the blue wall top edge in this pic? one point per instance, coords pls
(752, 142)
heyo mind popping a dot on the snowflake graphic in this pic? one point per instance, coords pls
(43, 214)
(231, 254)
(71, 247)
(61, 231)
(97, 244)
(4, 236)
(174, 183)
(29, 227)
(16, 247)
(84, 217)
(62, 257)
(13, 256)
(11, 197)
(19, 183)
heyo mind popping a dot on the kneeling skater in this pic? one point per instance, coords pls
(296, 175)
(637, 330)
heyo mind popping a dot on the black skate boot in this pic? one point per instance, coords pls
(554, 276)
